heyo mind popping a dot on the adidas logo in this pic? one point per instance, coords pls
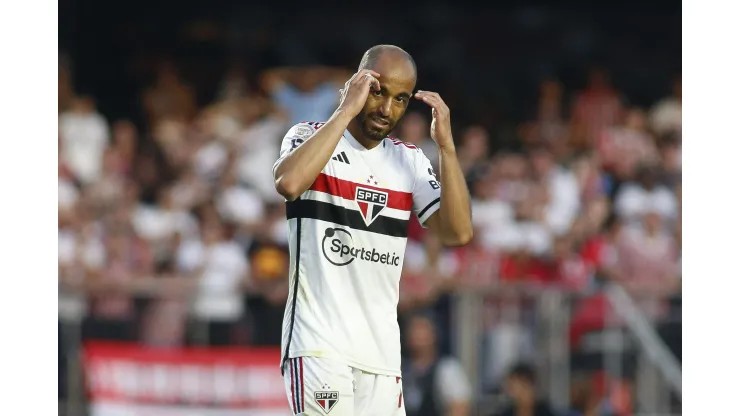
(341, 157)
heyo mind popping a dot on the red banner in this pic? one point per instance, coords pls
(219, 380)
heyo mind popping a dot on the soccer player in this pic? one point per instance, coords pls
(350, 192)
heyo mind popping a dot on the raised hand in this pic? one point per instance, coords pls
(441, 130)
(356, 89)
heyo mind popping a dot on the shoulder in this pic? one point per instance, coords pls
(408, 151)
(408, 154)
(401, 145)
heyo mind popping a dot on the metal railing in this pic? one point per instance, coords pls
(494, 327)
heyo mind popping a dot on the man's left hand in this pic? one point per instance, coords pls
(441, 130)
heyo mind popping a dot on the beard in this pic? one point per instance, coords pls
(372, 132)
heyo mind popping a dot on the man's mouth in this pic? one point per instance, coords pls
(379, 123)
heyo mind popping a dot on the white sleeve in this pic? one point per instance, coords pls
(294, 137)
(451, 382)
(427, 189)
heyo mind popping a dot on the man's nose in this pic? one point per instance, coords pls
(385, 109)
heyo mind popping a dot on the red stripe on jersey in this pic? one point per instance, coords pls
(346, 189)
(292, 386)
(397, 142)
(302, 395)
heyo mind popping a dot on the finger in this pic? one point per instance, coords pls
(370, 71)
(371, 81)
(375, 83)
(430, 99)
(422, 94)
(434, 100)
(363, 73)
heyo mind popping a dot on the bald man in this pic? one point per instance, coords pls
(350, 191)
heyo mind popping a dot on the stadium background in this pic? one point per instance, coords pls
(171, 248)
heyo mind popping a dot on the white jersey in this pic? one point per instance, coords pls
(347, 241)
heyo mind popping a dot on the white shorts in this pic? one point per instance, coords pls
(322, 386)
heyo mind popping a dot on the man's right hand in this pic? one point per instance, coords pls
(355, 91)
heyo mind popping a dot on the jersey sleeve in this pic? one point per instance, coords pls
(427, 189)
(294, 138)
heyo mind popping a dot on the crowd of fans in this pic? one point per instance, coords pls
(177, 219)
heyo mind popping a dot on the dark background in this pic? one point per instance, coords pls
(485, 60)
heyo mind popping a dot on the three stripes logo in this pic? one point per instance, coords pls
(341, 157)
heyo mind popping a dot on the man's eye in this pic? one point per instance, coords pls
(377, 93)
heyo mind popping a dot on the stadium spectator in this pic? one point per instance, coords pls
(634, 199)
(624, 147)
(169, 97)
(648, 256)
(474, 149)
(670, 160)
(221, 270)
(561, 188)
(549, 126)
(306, 93)
(268, 289)
(586, 400)
(665, 116)
(597, 107)
(414, 129)
(521, 387)
(432, 385)
(85, 135)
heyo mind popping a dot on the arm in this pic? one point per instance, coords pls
(452, 222)
(297, 170)
(302, 158)
(274, 78)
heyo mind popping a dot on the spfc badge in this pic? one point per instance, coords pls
(371, 202)
(326, 400)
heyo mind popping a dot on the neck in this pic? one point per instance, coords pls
(356, 131)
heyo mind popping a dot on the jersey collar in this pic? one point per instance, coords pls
(357, 145)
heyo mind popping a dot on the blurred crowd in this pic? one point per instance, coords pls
(176, 220)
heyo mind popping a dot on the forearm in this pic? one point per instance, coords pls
(454, 209)
(298, 170)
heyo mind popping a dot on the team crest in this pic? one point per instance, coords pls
(326, 399)
(303, 132)
(371, 202)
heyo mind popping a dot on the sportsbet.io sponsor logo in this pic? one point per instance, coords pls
(339, 249)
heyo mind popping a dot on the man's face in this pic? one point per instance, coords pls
(519, 389)
(385, 107)
(420, 335)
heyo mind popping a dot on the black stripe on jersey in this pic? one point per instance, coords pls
(296, 275)
(426, 208)
(324, 211)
